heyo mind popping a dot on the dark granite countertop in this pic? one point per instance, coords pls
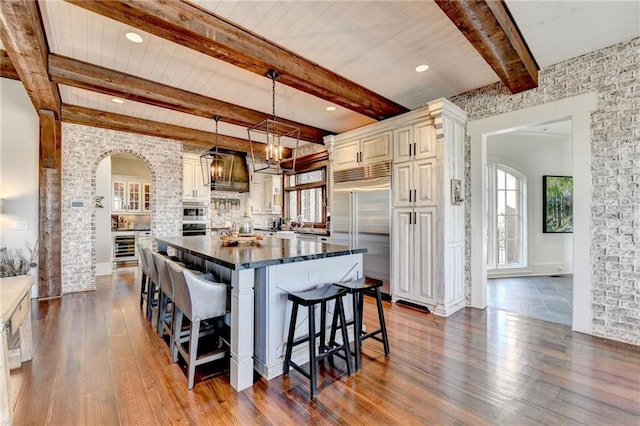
(266, 252)
(129, 230)
(308, 231)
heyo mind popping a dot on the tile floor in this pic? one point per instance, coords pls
(549, 298)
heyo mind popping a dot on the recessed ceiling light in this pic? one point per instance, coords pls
(134, 37)
(117, 100)
(422, 68)
(331, 108)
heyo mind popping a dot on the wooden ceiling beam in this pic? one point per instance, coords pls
(190, 25)
(7, 70)
(22, 34)
(124, 123)
(489, 27)
(87, 76)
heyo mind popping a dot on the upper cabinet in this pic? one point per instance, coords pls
(193, 181)
(359, 152)
(414, 142)
(130, 195)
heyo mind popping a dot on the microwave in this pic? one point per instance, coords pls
(195, 212)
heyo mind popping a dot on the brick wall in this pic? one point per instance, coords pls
(83, 148)
(613, 74)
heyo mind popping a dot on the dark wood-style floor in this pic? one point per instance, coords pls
(98, 362)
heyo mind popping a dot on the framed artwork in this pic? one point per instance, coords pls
(557, 204)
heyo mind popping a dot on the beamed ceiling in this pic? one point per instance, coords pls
(205, 58)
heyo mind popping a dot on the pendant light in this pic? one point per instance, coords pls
(267, 138)
(216, 167)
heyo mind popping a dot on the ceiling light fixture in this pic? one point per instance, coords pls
(134, 37)
(216, 167)
(117, 100)
(274, 132)
(422, 68)
(331, 108)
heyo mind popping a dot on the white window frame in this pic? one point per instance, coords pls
(492, 215)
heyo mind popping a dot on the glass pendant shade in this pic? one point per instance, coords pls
(268, 152)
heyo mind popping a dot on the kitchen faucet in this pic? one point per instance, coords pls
(300, 221)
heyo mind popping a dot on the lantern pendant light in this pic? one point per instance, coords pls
(266, 139)
(216, 167)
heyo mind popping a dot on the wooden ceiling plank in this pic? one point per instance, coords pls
(489, 27)
(22, 34)
(108, 120)
(7, 70)
(189, 25)
(87, 76)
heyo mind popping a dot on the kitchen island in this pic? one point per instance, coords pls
(261, 274)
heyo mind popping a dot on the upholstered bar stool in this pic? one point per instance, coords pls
(197, 300)
(357, 289)
(165, 296)
(152, 288)
(310, 299)
(144, 269)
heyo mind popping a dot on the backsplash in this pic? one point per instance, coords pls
(133, 222)
(226, 207)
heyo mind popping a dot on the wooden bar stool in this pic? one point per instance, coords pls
(357, 289)
(310, 299)
(152, 287)
(144, 269)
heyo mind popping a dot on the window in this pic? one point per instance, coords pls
(506, 206)
(306, 194)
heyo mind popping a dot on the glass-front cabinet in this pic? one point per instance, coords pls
(130, 195)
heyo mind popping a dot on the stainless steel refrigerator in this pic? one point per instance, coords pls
(360, 217)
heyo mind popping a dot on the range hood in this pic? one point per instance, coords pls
(236, 162)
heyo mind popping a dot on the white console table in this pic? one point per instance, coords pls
(15, 314)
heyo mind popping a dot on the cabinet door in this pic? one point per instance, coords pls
(424, 138)
(424, 230)
(118, 196)
(402, 255)
(424, 182)
(146, 197)
(376, 149)
(201, 181)
(188, 176)
(402, 144)
(402, 184)
(257, 197)
(346, 155)
(134, 194)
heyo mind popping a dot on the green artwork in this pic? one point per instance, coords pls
(558, 204)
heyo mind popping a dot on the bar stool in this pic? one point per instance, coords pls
(310, 299)
(152, 288)
(165, 296)
(357, 289)
(144, 268)
(197, 300)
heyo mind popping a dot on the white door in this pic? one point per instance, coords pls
(402, 144)
(118, 196)
(424, 222)
(376, 149)
(424, 137)
(346, 155)
(402, 256)
(403, 184)
(134, 193)
(188, 176)
(424, 182)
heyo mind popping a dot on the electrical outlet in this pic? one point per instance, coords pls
(22, 225)
(314, 276)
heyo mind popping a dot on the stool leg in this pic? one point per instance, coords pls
(177, 330)
(383, 326)
(323, 322)
(193, 352)
(357, 328)
(345, 337)
(162, 311)
(292, 330)
(143, 288)
(312, 351)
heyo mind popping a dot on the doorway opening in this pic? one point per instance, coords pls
(123, 186)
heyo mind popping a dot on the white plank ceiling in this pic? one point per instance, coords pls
(377, 44)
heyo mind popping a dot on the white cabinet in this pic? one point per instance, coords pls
(412, 255)
(414, 142)
(358, 152)
(144, 239)
(194, 186)
(256, 192)
(414, 183)
(129, 195)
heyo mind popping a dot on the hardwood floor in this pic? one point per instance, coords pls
(98, 362)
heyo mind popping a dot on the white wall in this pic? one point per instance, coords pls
(19, 156)
(103, 218)
(535, 156)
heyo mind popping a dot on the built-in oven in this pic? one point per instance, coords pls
(194, 228)
(195, 212)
